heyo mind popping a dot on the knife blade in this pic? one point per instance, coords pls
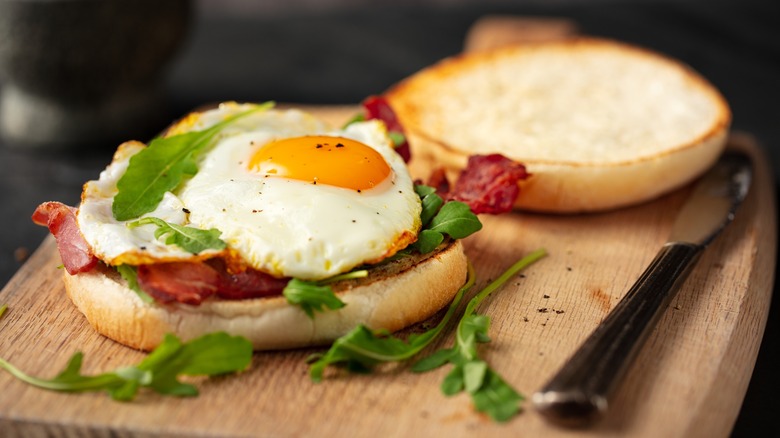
(578, 394)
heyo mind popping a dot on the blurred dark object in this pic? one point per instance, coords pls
(81, 72)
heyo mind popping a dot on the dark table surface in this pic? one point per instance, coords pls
(337, 56)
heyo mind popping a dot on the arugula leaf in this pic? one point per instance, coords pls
(162, 166)
(398, 138)
(428, 240)
(311, 296)
(489, 392)
(365, 348)
(496, 398)
(474, 373)
(190, 239)
(69, 380)
(431, 203)
(130, 275)
(453, 218)
(316, 295)
(435, 360)
(211, 354)
(422, 190)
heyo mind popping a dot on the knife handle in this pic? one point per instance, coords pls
(578, 394)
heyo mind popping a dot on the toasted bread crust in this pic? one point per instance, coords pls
(394, 296)
(598, 124)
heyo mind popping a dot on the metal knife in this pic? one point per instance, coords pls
(579, 393)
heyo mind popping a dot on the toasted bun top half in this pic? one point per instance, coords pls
(599, 124)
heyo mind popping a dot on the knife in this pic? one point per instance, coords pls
(579, 393)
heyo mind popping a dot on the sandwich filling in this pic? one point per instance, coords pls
(239, 201)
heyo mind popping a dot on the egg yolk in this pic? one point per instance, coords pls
(336, 161)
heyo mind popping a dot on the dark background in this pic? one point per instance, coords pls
(309, 53)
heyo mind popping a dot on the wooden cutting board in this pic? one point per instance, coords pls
(689, 380)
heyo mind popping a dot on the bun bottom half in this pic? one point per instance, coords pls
(395, 295)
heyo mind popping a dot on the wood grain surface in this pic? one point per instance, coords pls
(689, 380)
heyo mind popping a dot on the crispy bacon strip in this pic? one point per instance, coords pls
(193, 282)
(185, 282)
(488, 184)
(61, 220)
(247, 284)
(377, 107)
(438, 180)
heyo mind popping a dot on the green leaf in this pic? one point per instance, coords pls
(135, 374)
(351, 275)
(363, 348)
(438, 218)
(423, 190)
(130, 275)
(434, 361)
(431, 203)
(133, 378)
(473, 375)
(173, 358)
(69, 380)
(471, 330)
(124, 392)
(212, 354)
(162, 166)
(215, 354)
(311, 296)
(398, 138)
(456, 220)
(428, 240)
(368, 348)
(453, 382)
(72, 369)
(192, 240)
(496, 398)
(360, 346)
(489, 392)
(504, 277)
(317, 295)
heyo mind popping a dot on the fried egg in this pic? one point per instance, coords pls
(290, 196)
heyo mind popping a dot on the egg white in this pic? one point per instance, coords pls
(113, 241)
(285, 227)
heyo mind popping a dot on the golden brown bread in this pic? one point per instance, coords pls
(599, 124)
(394, 295)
